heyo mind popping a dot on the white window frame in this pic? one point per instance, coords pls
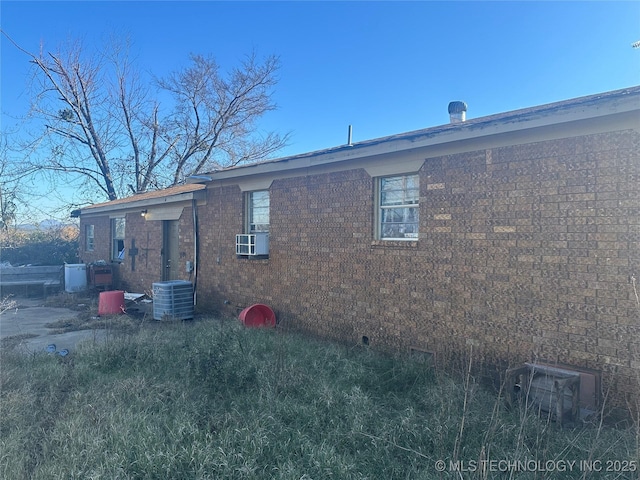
(405, 201)
(117, 239)
(89, 238)
(251, 211)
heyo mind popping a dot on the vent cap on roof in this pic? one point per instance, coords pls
(457, 112)
(199, 179)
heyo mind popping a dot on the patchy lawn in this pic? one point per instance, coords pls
(211, 399)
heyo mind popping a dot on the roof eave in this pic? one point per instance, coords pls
(143, 204)
(553, 115)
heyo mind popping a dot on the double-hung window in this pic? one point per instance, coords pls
(254, 243)
(258, 211)
(117, 239)
(398, 208)
(89, 238)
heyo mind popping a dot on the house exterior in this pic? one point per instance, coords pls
(512, 238)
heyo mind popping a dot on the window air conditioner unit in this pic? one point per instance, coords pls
(252, 244)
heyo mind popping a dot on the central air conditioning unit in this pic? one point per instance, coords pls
(252, 244)
(173, 300)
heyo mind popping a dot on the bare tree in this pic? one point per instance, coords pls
(7, 202)
(11, 176)
(104, 124)
(215, 117)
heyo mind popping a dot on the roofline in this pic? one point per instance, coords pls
(548, 115)
(132, 204)
(589, 111)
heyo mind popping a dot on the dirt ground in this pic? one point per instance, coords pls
(24, 327)
(33, 324)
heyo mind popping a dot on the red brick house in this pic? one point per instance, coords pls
(516, 234)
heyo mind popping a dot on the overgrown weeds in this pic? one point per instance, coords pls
(211, 399)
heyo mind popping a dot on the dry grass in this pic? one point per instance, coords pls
(210, 399)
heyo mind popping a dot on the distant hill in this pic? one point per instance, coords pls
(49, 224)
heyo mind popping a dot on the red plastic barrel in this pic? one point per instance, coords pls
(258, 315)
(111, 303)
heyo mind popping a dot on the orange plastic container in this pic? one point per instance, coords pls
(258, 315)
(111, 302)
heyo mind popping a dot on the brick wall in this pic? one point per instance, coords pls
(102, 242)
(525, 253)
(147, 236)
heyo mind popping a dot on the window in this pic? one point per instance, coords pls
(258, 211)
(398, 207)
(89, 238)
(117, 239)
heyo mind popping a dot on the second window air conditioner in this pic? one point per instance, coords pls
(252, 244)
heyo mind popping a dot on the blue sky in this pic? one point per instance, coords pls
(383, 67)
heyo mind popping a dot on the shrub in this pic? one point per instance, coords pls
(40, 247)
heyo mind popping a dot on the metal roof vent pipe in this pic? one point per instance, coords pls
(457, 112)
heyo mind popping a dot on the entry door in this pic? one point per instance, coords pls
(170, 265)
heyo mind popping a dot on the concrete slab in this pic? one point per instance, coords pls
(27, 320)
